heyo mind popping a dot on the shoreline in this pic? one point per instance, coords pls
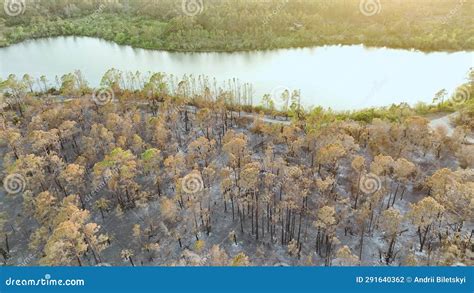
(237, 50)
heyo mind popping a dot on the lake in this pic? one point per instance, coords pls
(340, 77)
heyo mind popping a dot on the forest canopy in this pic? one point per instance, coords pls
(229, 25)
(175, 173)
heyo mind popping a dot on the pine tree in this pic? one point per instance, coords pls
(424, 215)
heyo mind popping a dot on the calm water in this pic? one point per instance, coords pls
(340, 77)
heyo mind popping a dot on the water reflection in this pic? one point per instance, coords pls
(340, 77)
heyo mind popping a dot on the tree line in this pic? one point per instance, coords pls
(247, 25)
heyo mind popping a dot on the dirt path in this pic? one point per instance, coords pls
(446, 122)
(437, 121)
